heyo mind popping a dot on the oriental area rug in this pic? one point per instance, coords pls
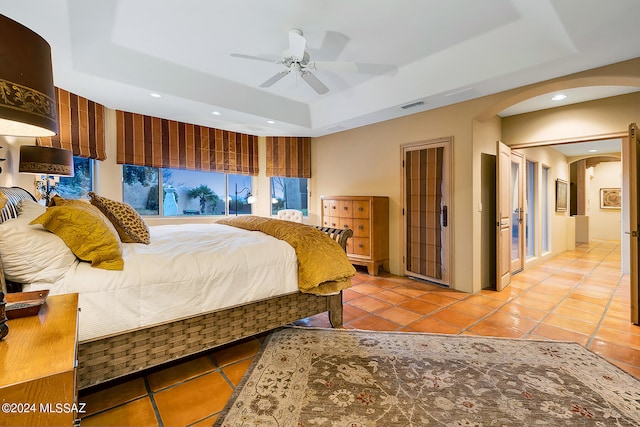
(306, 377)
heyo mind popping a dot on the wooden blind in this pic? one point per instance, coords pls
(151, 141)
(289, 156)
(80, 126)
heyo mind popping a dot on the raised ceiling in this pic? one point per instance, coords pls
(438, 52)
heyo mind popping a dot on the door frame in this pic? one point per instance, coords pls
(447, 241)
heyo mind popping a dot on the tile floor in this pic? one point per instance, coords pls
(578, 296)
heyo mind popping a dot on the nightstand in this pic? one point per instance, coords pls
(38, 360)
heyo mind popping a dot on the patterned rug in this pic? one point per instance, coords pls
(331, 377)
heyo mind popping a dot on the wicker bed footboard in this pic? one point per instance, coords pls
(119, 355)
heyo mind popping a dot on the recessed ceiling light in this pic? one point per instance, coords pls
(155, 95)
(270, 122)
(559, 97)
(593, 151)
(215, 113)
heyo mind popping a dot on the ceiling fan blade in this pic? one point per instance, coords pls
(275, 78)
(346, 67)
(297, 43)
(314, 82)
(273, 60)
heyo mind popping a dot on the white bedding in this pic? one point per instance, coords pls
(187, 269)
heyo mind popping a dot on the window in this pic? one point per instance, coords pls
(78, 185)
(544, 209)
(185, 192)
(531, 208)
(289, 193)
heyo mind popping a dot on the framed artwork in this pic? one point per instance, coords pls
(561, 195)
(610, 198)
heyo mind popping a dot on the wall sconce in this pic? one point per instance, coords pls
(49, 162)
(27, 94)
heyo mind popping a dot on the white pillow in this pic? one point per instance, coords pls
(31, 254)
(30, 209)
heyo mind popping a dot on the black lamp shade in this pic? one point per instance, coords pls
(45, 160)
(27, 94)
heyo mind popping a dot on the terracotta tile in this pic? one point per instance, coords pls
(350, 313)
(365, 289)
(522, 311)
(236, 352)
(555, 333)
(484, 301)
(507, 320)
(437, 298)
(620, 325)
(373, 323)
(236, 371)
(492, 329)
(193, 400)
(207, 422)
(455, 318)
(569, 324)
(420, 306)
(536, 301)
(391, 297)
(320, 320)
(582, 305)
(349, 294)
(410, 292)
(114, 395)
(617, 352)
(180, 372)
(434, 326)
(471, 309)
(399, 315)
(593, 318)
(369, 304)
(137, 413)
(619, 337)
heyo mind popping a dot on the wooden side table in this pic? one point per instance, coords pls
(38, 360)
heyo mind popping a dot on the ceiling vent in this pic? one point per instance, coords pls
(412, 105)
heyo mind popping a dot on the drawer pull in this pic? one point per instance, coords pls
(360, 227)
(333, 224)
(345, 208)
(361, 245)
(333, 207)
(360, 208)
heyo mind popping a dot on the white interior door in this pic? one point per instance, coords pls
(503, 216)
(634, 218)
(517, 212)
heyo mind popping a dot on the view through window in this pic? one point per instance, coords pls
(185, 192)
(78, 185)
(289, 193)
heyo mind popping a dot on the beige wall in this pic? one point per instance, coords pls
(604, 224)
(366, 161)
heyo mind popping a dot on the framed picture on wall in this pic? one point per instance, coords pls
(610, 198)
(561, 195)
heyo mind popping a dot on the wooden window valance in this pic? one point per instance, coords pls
(289, 156)
(80, 126)
(161, 143)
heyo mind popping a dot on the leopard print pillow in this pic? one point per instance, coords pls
(128, 223)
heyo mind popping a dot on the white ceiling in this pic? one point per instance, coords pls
(436, 51)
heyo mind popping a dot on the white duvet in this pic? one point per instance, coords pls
(187, 269)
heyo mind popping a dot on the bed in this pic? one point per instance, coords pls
(237, 284)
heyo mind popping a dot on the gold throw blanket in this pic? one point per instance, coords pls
(323, 266)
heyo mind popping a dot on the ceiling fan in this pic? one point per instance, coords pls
(297, 59)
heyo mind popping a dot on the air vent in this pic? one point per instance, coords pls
(412, 105)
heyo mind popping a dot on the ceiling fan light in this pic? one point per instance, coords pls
(559, 97)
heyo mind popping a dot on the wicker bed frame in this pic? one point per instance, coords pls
(118, 355)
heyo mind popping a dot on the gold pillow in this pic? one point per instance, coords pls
(3, 200)
(89, 235)
(128, 223)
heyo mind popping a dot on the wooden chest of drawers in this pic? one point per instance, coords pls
(368, 217)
